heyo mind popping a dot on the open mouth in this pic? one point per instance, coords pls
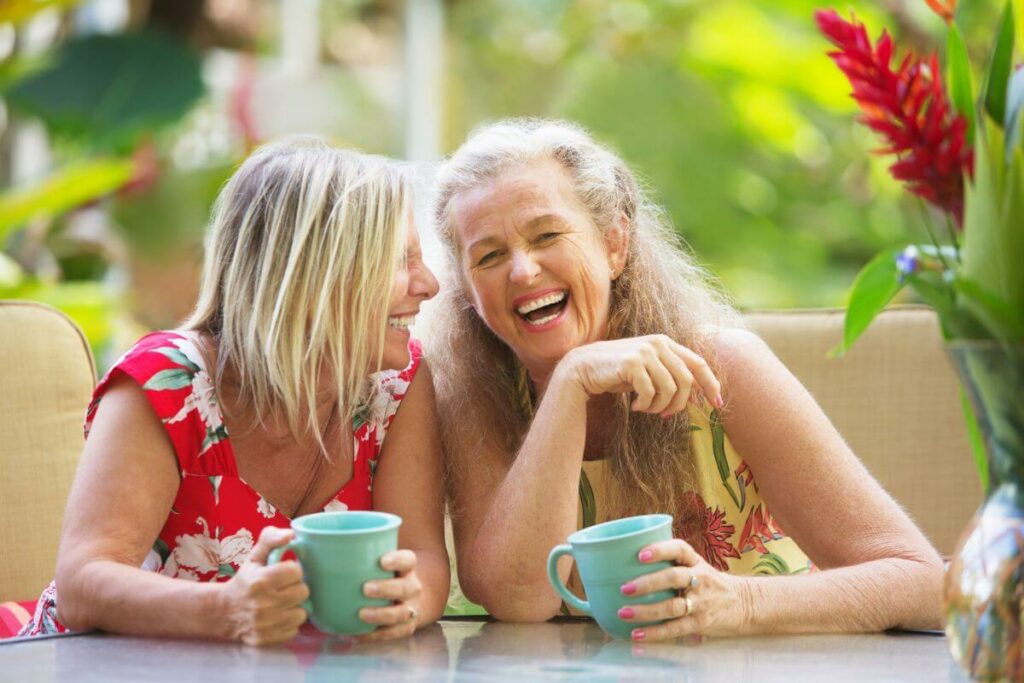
(544, 309)
(401, 322)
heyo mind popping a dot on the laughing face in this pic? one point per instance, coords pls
(414, 284)
(537, 269)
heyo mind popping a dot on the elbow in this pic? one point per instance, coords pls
(513, 603)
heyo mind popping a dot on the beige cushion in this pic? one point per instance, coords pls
(894, 397)
(46, 380)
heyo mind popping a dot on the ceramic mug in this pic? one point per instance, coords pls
(339, 552)
(606, 556)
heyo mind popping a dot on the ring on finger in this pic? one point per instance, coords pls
(689, 605)
(413, 614)
(694, 582)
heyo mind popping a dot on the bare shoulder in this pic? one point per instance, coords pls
(740, 350)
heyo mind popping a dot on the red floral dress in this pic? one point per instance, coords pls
(216, 516)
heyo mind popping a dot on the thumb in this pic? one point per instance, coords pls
(271, 537)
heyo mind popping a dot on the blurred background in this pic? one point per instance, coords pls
(120, 119)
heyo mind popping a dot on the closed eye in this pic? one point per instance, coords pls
(547, 236)
(488, 257)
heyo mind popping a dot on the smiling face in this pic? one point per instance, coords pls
(537, 269)
(414, 284)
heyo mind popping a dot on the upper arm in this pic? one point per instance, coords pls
(810, 479)
(124, 487)
(409, 480)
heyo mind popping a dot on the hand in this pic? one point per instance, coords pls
(400, 619)
(715, 603)
(656, 368)
(261, 605)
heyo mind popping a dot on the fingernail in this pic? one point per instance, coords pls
(626, 613)
(371, 589)
(638, 634)
(719, 402)
(628, 588)
(646, 555)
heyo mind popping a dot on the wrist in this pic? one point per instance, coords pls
(565, 379)
(216, 611)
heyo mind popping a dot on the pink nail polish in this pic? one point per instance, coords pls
(628, 588)
(646, 555)
(626, 613)
(638, 634)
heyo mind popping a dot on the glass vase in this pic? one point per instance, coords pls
(984, 589)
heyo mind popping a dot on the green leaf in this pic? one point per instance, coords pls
(68, 188)
(976, 440)
(876, 285)
(1001, 319)
(178, 358)
(587, 503)
(106, 91)
(17, 11)
(958, 75)
(169, 379)
(773, 564)
(721, 461)
(1011, 121)
(999, 68)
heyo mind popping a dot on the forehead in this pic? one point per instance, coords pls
(513, 199)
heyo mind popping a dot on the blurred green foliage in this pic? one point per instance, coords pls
(730, 110)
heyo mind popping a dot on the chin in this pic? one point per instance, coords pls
(396, 354)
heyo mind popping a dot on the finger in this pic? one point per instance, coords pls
(292, 595)
(644, 388)
(672, 578)
(401, 589)
(283, 574)
(684, 383)
(271, 537)
(665, 387)
(702, 374)
(676, 628)
(401, 561)
(676, 551)
(271, 636)
(387, 616)
(673, 608)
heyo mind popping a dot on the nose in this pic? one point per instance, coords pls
(423, 283)
(524, 268)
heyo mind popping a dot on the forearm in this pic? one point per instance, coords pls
(435, 577)
(534, 509)
(867, 597)
(115, 597)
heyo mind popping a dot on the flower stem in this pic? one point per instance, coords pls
(931, 234)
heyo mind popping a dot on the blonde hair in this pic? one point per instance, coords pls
(661, 290)
(301, 259)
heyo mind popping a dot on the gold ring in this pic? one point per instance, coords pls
(689, 605)
(413, 614)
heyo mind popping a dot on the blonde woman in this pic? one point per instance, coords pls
(272, 401)
(591, 373)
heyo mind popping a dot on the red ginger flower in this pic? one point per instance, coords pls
(944, 8)
(909, 108)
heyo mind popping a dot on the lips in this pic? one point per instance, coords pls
(541, 308)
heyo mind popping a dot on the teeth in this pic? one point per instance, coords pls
(541, 321)
(402, 322)
(553, 298)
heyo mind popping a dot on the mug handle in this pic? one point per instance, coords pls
(556, 582)
(274, 557)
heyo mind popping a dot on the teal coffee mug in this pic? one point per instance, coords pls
(339, 552)
(606, 556)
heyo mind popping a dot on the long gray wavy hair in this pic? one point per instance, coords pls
(483, 390)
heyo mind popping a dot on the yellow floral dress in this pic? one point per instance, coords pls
(740, 535)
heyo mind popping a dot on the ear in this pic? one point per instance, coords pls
(616, 243)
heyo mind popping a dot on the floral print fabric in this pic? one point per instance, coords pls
(735, 531)
(216, 516)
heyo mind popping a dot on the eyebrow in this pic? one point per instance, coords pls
(532, 224)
